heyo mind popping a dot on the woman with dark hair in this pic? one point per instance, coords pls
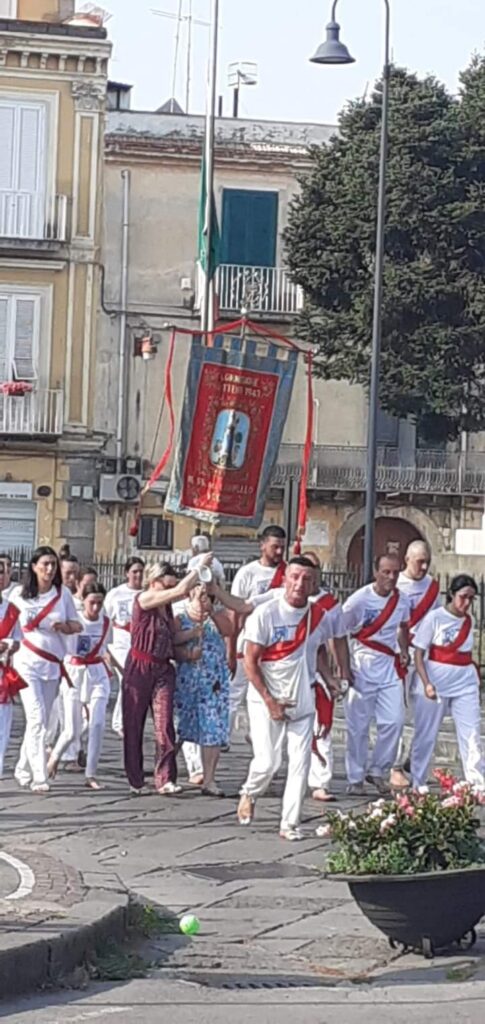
(444, 661)
(89, 675)
(44, 611)
(149, 676)
(119, 607)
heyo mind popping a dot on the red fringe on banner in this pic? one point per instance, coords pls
(264, 332)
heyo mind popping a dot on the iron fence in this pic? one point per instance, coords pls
(342, 582)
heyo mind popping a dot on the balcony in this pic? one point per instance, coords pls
(262, 291)
(39, 413)
(420, 472)
(33, 217)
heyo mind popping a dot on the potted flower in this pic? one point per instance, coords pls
(415, 864)
(16, 388)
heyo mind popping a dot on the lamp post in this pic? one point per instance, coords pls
(333, 51)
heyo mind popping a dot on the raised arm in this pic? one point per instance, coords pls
(159, 598)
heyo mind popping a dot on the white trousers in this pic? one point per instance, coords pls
(268, 738)
(385, 705)
(192, 758)
(6, 715)
(37, 700)
(465, 712)
(321, 768)
(237, 694)
(427, 718)
(117, 718)
(74, 725)
(54, 723)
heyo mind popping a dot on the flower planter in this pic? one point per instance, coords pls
(425, 912)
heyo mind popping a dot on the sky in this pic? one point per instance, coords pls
(428, 36)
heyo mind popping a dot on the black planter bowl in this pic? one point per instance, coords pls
(424, 912)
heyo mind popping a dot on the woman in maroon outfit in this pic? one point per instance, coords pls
(149, 677)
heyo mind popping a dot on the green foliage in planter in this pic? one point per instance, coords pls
(410, 834)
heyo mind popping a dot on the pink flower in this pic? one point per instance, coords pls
(323, 831)
(409, 811)
(452, 801)
(445, 779)
(403, 802)
(376, 813)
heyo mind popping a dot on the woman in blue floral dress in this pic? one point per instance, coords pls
(202, 690)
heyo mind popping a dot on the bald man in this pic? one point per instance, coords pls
(423, 594)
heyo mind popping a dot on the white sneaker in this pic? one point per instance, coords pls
(170, 789)
(292, 834)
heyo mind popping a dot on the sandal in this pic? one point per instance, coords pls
(212, 791)
(93, 784)
(170, 789)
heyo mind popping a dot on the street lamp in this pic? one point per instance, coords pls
(333, 51)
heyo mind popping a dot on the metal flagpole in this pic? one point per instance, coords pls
(208, 297)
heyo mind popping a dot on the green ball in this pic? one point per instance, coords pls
(189, 925)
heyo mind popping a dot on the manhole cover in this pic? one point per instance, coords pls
(256, 869)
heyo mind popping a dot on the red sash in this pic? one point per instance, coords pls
(93, 658)
(450, 654)
(285, 648)
(148, 659)
(425, 604)
(278, 577)
(364, 635)
(126, 627)
(36, 621)
(47, 656)
(10, 683)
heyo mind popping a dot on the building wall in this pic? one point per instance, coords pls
(70, 73)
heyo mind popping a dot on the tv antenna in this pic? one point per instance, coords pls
(241, 72)
(185, 16)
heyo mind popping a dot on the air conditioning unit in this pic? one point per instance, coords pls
(121, 488)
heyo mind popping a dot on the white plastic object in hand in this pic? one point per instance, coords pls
(205, 574)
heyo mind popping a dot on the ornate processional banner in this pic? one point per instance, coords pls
(236, 401)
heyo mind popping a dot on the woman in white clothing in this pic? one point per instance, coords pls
(89, 675)
(7, 649)
(45, 612)
(443, 644)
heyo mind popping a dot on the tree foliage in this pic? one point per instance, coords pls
(433, 343)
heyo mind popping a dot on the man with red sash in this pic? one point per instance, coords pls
(283, 640)
(423, 594)
(252, 580)
(376, 616)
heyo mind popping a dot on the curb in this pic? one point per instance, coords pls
(42, 956)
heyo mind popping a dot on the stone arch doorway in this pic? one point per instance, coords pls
(392, 536)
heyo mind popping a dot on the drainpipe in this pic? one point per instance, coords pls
(125, 230)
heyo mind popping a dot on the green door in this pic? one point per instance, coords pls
(249, 227)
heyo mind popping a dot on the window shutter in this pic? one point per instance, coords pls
(164, 531)
(31, 123)
(25, 343)
(145, 532)
(249, 227)
(8, 8)
(7, 122)
(4, 373)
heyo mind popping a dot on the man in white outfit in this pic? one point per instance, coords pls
(200, 545)
(376, 616)
(283, 643)
(252, 580)
(423, 594)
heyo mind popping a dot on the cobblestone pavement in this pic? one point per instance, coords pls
(268, 917)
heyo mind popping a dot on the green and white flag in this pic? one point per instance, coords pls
(208, 262)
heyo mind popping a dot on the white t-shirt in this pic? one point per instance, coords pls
(43, 637)
(118, 606)
(361, 609)
(252, 581)
(415, 590)
(440, 627)
(335, 617)
(288, 679)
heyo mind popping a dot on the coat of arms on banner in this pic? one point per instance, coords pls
(236, 402)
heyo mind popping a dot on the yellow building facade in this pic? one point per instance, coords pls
(53, 79)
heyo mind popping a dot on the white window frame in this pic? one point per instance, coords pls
(42, 344)
(50, 100)
(10, 10)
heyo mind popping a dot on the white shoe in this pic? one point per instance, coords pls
(40, 787)
(293, 835)
(170, 789)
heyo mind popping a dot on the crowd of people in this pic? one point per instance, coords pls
(191, 651)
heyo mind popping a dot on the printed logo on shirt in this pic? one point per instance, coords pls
(280, 633)
(263, 586)
(83, 645)
(123, 612)
(30, 617)
(369, 616)
(450, 634)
